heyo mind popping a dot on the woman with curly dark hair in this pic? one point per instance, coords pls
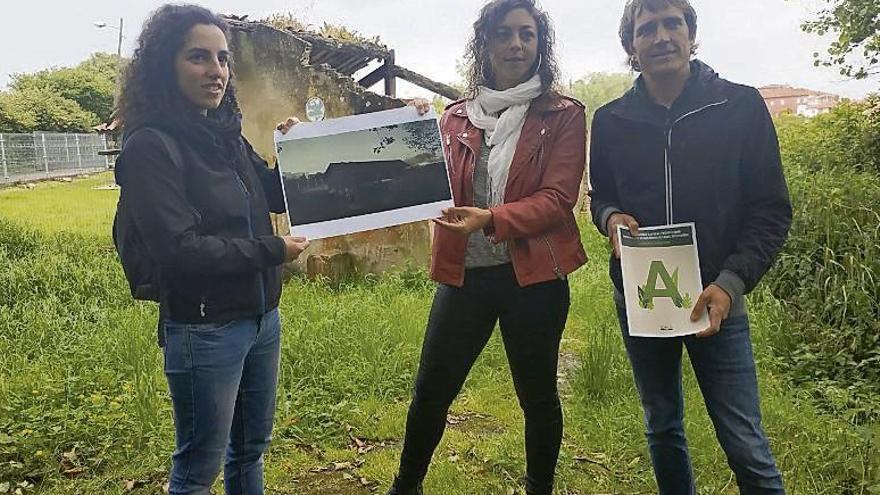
(516, 154)
(199, 198)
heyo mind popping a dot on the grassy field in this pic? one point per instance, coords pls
(84, 407)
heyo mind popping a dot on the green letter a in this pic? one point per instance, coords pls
(650, 291)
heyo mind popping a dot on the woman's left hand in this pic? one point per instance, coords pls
(464, 219)
(286, 125)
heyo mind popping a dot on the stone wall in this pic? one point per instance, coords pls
(274, 81)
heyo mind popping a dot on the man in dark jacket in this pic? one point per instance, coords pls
(684, 145)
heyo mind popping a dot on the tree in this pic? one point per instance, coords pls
(35, 109)
(107, 65)
(599, 88)
(14, 116)
(91, 84)
(61, 99)
(421, 136)
(857, 26)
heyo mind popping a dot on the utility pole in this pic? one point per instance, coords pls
(102, 25)
(119, 46)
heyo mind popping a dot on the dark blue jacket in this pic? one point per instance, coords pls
(712, 159)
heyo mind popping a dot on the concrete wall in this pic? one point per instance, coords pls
(274, 81)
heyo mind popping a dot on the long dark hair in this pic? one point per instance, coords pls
(477, 64)
(149, 89)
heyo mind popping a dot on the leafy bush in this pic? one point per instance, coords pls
(847, 138)
(828, 274)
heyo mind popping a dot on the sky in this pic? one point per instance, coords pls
(312, 154)
(755, 42)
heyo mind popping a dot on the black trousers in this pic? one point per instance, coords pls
(462, 320)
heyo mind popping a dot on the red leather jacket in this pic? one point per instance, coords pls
(536, 219)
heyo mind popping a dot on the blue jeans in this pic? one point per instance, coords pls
(725, 370)
(222, 379)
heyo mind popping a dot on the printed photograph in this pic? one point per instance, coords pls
(392, 174)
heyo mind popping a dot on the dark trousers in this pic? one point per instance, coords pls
(462, 320)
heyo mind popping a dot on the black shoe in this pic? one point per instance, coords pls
(532, 488)
(398, 488)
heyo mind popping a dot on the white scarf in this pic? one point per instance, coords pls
(503, 133)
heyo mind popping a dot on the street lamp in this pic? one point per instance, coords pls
(102, 25)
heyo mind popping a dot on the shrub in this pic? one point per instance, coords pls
(828, 274)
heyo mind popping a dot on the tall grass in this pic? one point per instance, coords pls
(84, 405)
(828, 275)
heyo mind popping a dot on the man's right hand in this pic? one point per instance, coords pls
(616, 220)
(293, 247)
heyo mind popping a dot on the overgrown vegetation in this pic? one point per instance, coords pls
(84, 405)
(829, 272)
(289, 21)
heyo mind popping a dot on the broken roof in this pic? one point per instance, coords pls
(349, 56)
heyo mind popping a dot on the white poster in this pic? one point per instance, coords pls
(363, 172)
(661, 280)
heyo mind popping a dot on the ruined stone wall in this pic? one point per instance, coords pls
(274, 81)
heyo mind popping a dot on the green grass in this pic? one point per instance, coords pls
(82, 389)
(64, 207)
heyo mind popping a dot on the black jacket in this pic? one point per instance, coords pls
(206, 225)
(712, 159)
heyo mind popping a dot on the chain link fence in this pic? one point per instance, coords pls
(25, 157)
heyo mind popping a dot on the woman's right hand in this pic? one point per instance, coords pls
(287, 125)
(421, 104)
(293, 247)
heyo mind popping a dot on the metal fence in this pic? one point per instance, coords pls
(48, 154)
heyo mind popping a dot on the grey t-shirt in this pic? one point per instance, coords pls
(481, 252)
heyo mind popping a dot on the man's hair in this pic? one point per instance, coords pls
(635, 7)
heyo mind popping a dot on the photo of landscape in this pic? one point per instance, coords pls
(370, 171)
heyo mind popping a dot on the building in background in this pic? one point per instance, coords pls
(278, 72)
(798, 101)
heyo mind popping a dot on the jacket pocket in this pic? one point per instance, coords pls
(553, 258)
(173, 326)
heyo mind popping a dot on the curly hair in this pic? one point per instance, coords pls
(478, 69)
(635, 7)
(149, 83)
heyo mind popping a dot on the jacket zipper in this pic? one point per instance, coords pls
(556, 269)
(449, 165)
(670, 216)
(203, 304)
(261, 278)
(473, 166)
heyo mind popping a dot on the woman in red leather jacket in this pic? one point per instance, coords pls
(516, 153)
